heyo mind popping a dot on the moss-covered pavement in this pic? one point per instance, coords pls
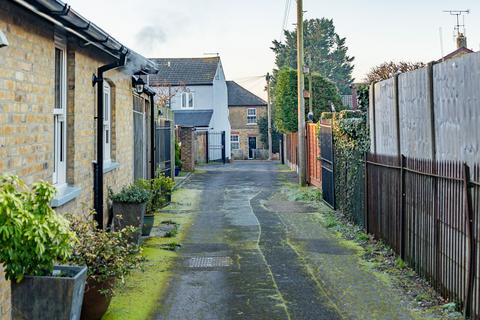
(255, 246)
(137, 298)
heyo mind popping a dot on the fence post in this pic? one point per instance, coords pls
(397, 113)
(207, 147)
(366, 192)
(471, 241)
(402, 206)
(223, 147)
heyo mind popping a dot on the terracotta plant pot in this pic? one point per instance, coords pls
(95, 303)
(147, 224)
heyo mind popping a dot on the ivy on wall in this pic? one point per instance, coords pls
(351, 141)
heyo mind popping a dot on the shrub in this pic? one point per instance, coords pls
(159, 189)
(178, 161)
(32, 235)
(130, 194)
(106, 254)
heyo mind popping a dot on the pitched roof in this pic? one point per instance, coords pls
(460, 51)
(239, 96)
(184, 71)
(197, 118)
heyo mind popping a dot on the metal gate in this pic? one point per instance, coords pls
(216, 146)
(139, 139)
(328, 164)
(163, 158)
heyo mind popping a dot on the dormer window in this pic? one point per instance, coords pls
(187, 100)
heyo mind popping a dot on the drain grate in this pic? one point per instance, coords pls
(208, 262)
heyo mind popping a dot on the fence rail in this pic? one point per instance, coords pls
(429, 213)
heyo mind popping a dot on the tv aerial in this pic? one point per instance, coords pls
(460, 17)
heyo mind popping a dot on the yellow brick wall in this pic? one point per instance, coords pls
(238, 122)
(26, 120)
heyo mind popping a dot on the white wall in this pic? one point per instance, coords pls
(220, 120)
(207, 97)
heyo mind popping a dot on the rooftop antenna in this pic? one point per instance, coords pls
(460, 26)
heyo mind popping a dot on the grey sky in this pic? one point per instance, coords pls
(242, 31)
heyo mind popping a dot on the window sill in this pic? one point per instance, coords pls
(107, 167)
(251, 124)
(65, 195)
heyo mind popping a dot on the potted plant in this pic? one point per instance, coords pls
(159, 190)
(109, 256)
(178, 161)
(129, 208)
(33, 237)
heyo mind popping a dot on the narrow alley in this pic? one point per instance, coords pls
(253, 254)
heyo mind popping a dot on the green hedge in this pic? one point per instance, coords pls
(351, 141)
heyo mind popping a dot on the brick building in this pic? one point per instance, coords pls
(48, 107)
(245, 108)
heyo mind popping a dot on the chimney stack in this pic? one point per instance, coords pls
(461, 41)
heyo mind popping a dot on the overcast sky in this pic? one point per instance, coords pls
(242, 31)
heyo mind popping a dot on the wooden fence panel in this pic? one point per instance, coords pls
(314, 166)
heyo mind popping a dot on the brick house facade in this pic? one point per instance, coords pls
(245, 109)
(29, 82)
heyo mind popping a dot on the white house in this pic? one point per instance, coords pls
(196, 90)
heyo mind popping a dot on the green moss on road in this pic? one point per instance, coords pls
(143, 289)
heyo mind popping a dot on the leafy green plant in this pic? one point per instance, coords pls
(106, 254)
(32, 235)
(159, 189)
(178, 161)
(130, 194)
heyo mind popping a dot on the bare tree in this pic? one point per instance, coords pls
(165, 93)
(388, 70)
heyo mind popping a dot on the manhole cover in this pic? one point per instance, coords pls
(208, 262)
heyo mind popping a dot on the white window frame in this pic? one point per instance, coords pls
(60, 117)
(252, 116)
(107, 123)
(236, 142)
(185, 100)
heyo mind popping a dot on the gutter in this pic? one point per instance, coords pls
(62, 15)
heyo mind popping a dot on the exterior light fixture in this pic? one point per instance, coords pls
(3, 40)
(139, 85)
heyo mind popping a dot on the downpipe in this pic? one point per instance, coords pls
(98, 165)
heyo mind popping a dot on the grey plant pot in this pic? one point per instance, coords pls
(50, 297)
(132, 214)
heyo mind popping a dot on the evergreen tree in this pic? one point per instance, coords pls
(325, 93)
(325, 48)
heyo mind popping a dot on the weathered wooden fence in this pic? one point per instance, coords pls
(314, 166)
(291, 150)
(429, 213)
(314, 169)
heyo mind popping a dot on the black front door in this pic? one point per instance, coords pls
(252, 145)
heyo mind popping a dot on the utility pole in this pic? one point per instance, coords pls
(302, 172)
(269, 115)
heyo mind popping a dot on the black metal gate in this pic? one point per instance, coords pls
(163, 157)
(328, 163)
(216, 146)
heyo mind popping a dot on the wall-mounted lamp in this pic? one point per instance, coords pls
(3, 40)
(139, 85)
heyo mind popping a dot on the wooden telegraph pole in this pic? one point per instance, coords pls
(302, 172)
(269, 114)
